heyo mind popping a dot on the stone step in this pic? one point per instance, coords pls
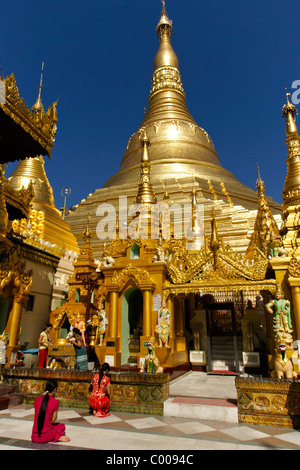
(225, 365)
(9, 397)
(5, 389)
(213, 409)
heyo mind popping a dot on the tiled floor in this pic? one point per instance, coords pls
(133, 433)
(130, 432)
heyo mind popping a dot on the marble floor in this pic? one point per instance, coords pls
(135, 433)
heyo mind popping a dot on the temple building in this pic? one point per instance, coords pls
(211, 282)
(172, 254)
(37, 247)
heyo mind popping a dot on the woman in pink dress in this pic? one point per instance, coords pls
(99, 399)
(45, 429)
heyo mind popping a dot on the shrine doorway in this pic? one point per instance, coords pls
(132, 325)
(222, 338)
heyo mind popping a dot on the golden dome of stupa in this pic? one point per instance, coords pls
(54, 228)
(182, 158)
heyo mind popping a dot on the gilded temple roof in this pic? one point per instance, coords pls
(24, 132)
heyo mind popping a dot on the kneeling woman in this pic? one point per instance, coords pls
(45, 429)
(99, 399)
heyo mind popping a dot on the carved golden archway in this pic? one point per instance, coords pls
(140, 277)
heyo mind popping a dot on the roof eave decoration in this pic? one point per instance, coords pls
(39, 125)
(215, 262)
(19, 199)
(222, 265)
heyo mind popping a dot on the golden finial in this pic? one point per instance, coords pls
(257, 164)
(38, 104)
(164, 22)
(87, 233)
(288, 112)
(260, 185)
(287, 95)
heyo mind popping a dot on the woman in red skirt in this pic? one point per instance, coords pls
(45, 429)
(99, 399)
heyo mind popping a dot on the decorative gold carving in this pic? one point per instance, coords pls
(294, 267)
(141, 276)
(18, 198)
(71, 315)
(214, 263)
(268, 402)
(166, 77)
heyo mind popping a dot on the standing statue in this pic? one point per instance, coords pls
(151, 361)
(283, 362)
(102, 323)
(282, 324)
(282, 328)
(81, 326)
(163, 325)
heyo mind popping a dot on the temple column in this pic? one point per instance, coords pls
(147, 330)
(179, 312)
(113, 314)
(13, 326)
(295, 288)
(170, 306)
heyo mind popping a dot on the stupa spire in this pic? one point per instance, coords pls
(167, 98)
(291, 192)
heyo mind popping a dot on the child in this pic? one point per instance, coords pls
(43, 345)
(45, 429)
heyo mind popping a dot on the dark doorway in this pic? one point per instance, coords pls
(222, 338)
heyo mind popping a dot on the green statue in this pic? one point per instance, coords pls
(282, 324)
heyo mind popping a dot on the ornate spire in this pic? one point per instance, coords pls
(86, 261)
(37, 107)
(167, 97)
(145, 193)
(266, 233)
(291, 192)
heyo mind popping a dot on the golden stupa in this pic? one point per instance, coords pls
(182, 157)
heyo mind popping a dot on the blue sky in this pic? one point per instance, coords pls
(235, 58)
